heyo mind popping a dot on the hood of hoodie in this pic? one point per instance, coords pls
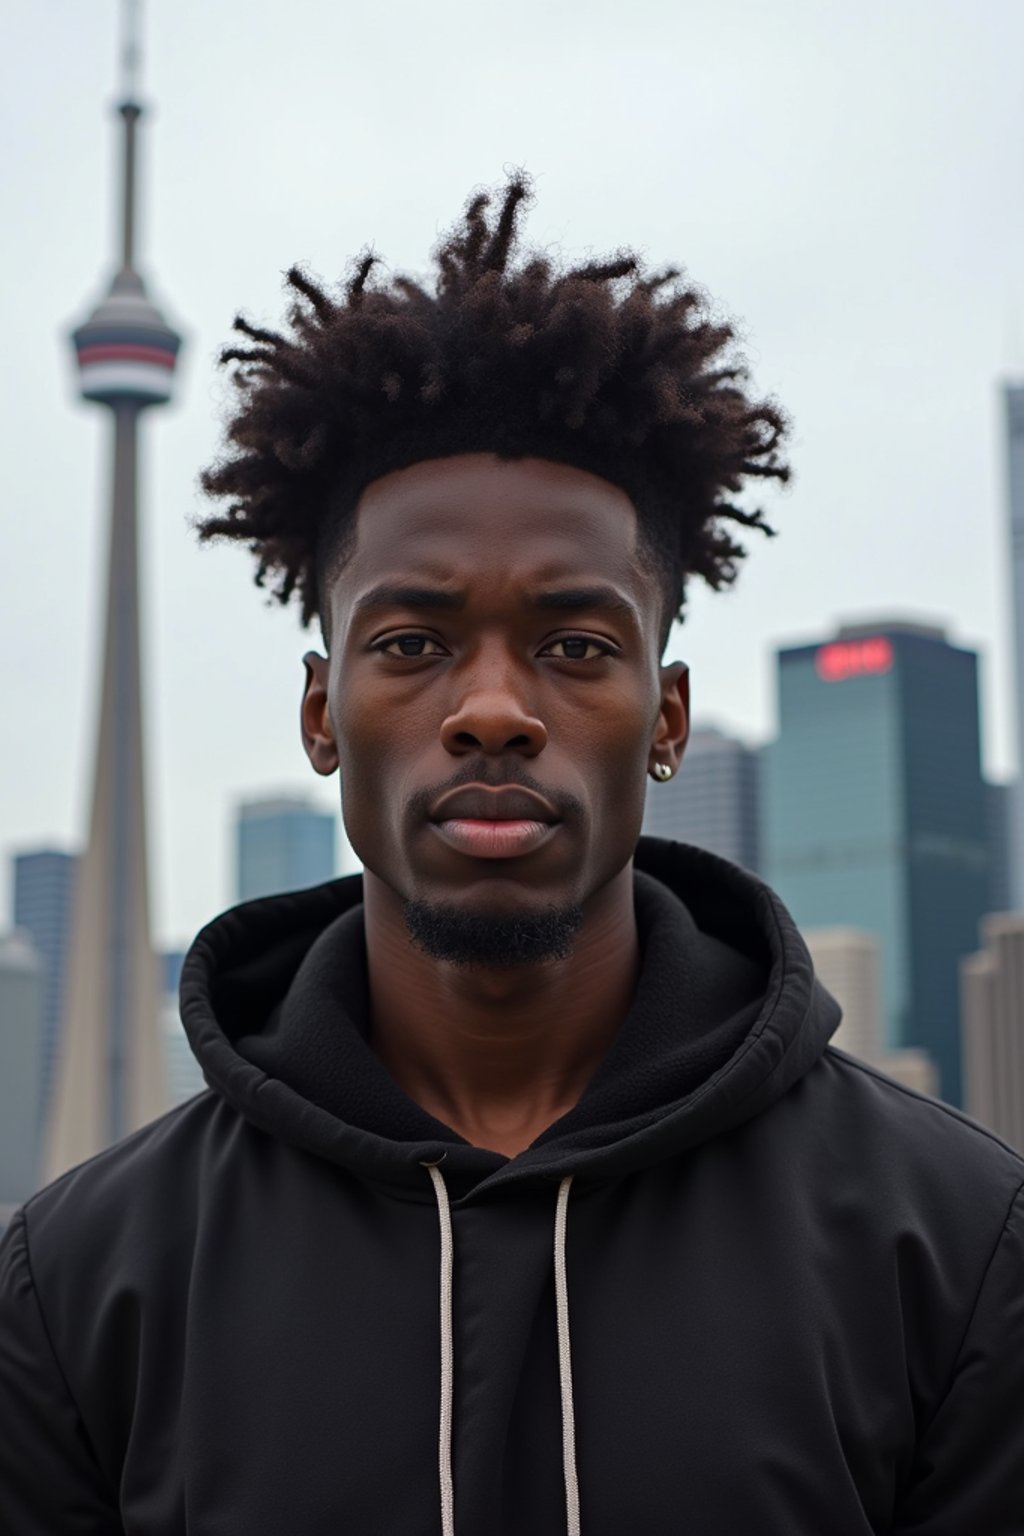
(727, 1015)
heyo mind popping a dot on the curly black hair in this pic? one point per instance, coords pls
(601, 366)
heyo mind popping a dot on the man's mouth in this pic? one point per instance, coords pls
(494, 839)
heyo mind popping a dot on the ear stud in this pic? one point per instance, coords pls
(662, 771)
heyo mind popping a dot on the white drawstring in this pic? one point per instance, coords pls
(444, 1439)
(572, 1492)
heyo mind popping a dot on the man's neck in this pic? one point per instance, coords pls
(499, 1055)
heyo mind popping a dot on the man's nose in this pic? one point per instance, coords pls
(493, 711)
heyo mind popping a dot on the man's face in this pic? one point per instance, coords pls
(418, 699)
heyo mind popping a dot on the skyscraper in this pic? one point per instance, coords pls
(1013, 398)
(846, 962)
(874, 814)
(283, 844)
(44, 883)
(713, 799)
(21, 1028)
(110, 1076)
(992, 994)
(999, 799)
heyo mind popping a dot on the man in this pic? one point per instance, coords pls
(527, 1196)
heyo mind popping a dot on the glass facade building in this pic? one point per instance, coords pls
(1013, 401)
(22, 994)
(1000, 799)
(875, 815)
(283, 845)
(44, 885)
(713, 799)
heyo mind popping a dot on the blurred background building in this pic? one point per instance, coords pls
(875, 815)
(992, 985)
(1013, 400)
(712, 801)
(847, 962)
(182, 1072)
(283, 844)
(22, 1008)
(44, 884)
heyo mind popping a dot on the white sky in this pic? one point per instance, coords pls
(845, 179)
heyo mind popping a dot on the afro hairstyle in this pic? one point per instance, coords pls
(602, 365)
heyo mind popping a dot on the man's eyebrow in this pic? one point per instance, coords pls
(608, 599)
(387, 595)
(565, 599)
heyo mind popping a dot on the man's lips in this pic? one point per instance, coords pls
(477, 802)
(497, 838)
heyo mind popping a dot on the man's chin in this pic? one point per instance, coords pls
(456, 935)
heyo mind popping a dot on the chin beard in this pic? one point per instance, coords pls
(447, 932)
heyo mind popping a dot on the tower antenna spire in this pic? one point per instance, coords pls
(131, 51)
(131, 112)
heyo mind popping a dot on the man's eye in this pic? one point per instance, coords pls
(576, 647)
(403, 641)
(578, 641)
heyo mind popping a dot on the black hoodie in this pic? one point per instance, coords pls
(746, 1287)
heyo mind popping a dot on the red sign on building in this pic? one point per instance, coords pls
(852, 658)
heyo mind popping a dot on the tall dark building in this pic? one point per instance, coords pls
(1000, 800)
(110, 1071)
(713, 799)
(283, 844)
(44, 884)
(875, 815)
(1013, 402)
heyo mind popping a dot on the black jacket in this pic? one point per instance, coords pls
(793, 1296)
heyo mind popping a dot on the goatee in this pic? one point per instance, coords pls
(447, 932)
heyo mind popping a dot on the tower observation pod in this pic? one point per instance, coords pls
(126, 350)
(109, 1077)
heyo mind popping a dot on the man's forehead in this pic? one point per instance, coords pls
(475, 523)
(456, 494)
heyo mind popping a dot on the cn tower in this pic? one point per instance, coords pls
(109, 1072)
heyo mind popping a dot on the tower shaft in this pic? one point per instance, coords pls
(110, 1077)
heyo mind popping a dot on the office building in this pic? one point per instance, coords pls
(283, 844)
(1013, 402)
(22, 1001)
(847, 963)
(874, 815)
(992, 999)
(182, 1073)
(109, 1073)
(1000, 810)
(44, 884)
(713, 799)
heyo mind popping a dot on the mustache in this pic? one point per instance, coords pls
(565, 804)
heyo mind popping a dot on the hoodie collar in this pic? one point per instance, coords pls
(726, 1016)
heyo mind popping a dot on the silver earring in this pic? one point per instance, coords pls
(662, 771)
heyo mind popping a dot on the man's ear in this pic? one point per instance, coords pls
(673, 729)
(317, 731)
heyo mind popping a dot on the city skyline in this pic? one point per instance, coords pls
(877, 301)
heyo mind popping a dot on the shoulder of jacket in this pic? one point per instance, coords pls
(140, 1178)
(912, 1117)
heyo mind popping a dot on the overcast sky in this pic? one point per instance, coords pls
(844, 179)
